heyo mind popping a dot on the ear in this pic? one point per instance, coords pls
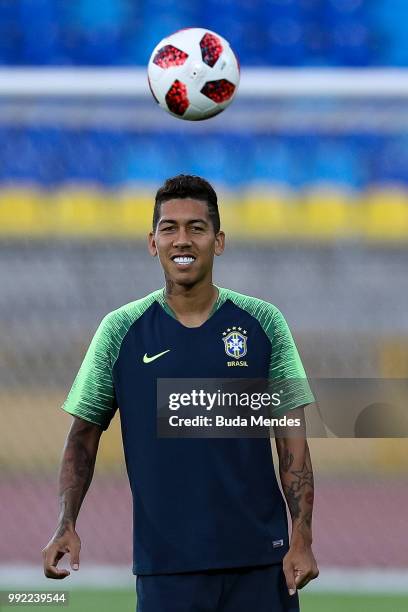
(151, 244)
(219, 243)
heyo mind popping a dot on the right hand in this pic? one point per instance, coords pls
(61, 543)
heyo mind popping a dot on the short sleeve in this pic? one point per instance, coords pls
(92, 395)
(286, 373)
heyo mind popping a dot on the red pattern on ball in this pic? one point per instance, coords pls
(218, 91)
(177, 99)
(211, 49)
(169, 56)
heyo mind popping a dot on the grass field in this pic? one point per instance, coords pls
(122, 600)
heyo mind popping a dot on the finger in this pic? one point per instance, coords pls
(52, 571)
(57, 574)
(303, 578)
(289, 572)
(51, 558)
(74, 556)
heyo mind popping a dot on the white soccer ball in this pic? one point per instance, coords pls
(193, 74)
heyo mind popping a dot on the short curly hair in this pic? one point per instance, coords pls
(188, 186)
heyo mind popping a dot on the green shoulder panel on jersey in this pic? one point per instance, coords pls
(92, 395)
(286, 371)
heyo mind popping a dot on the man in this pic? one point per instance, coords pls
(210, 526)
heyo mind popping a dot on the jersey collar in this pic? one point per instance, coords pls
(161, 298)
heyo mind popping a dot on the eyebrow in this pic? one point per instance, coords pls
(203, 221)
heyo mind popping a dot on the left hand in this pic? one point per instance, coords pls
(299, 567)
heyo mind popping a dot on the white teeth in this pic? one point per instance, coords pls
(184, 260)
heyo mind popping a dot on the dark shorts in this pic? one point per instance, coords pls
(247, 589)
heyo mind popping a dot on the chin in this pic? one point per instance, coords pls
(185, 278)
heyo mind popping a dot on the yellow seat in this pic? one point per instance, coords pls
(265, 215)
(80, 212)
(23, 212)
(133, 213)
(326, 215)
(386, 215)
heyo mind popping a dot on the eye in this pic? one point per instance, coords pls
(167, 228)
(197, 228)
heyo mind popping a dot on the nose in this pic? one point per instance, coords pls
(182, 238)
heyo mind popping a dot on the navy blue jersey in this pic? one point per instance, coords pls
(198, 503)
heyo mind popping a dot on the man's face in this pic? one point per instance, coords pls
(185, 241)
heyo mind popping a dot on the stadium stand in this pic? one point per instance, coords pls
(120, 32)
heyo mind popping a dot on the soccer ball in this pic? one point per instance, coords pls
(193, 74)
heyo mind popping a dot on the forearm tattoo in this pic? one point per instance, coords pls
(298, 487)
(75, 476)
(286, 460)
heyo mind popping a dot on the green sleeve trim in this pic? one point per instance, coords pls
(286, 371)
(92, 395)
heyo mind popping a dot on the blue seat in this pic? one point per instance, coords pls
(207, 157)
(338, 162)
(20, 159)
(272, 161)
(391, 162)
(91, 15)
(262, 32)
(94, 30)
(10, 48)
(40, 41)
(160, 18)
(144, 160)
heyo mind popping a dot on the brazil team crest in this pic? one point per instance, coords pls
(235, 342)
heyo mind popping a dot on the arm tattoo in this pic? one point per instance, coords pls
(298, 487)
(286, 460)
(75, 477)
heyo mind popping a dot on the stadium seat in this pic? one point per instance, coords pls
(337, 163)
(272, 162)
(386, 214)
(271, 32)
(10, 33)
(390, 165)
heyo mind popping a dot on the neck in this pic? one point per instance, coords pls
(197, 299)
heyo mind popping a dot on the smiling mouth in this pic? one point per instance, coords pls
(183, 260)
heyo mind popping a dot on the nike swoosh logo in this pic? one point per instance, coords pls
(147, 359)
